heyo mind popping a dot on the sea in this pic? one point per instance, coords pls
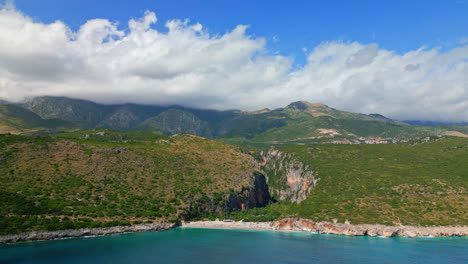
(194, 245)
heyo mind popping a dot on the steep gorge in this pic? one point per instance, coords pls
(254, 194)
(288, 178)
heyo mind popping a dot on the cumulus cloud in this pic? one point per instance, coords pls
(110, 63)
(363, 57)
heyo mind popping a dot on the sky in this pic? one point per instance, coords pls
(403, 60)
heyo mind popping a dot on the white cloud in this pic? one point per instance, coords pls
(188, 66)
(463, 40)
(363, 57)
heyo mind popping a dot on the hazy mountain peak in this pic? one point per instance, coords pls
(305, 105)
(174, 121)
(85, 113)
(315, 109)
(379, 116)
(261, 111)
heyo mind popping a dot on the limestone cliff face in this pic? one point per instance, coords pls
(257, 195)
(60, 234)
(288, 178)
(306, 225)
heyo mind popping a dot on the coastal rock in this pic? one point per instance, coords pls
(49, 235)
(372, 232)
(306, 225)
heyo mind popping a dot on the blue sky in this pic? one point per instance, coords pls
(289, 26)
(403, 59)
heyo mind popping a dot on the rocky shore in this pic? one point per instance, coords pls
(50, 235)
(287, 224)
(306, 225)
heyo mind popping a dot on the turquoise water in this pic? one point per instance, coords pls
(190, 245)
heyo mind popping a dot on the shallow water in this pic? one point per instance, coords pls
(191, 245)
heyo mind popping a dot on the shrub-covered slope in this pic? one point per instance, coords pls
(103, 176)
(298, 123)
(15, 119)
(423, 182)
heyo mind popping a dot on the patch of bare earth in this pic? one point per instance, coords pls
(454, 134)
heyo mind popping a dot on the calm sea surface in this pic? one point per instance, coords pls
(187, 245)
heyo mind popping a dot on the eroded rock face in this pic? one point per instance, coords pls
(306, 225)
(48, 235)
(257, 195)
(288, 178)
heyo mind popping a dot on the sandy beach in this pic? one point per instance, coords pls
(266, 226)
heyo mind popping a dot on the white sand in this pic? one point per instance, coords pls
(230, 225)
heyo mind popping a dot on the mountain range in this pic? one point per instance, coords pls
(298, 123)
(434, 123)
(16, 119)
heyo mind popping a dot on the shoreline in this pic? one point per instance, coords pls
(239, 225)
(283, 225)
(83, 232)
(306, 225)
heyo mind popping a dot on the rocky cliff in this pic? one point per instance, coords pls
(288, 178)
(49, 235)
(256, 195)
(306, 225)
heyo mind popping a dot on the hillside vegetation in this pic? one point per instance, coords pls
(298, 123)
(102, 178)
(94, 178)
(423, 182)
(15, 119)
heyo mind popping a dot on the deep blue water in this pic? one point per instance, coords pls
(189, 245)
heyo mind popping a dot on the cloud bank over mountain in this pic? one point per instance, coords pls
(110, 63)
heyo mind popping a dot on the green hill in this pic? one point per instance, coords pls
(304, 123)
(423, 182)
(103, 178)
(15, 119)
(100, 178)
(298, 123)
(85, 113)
(176, 121)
